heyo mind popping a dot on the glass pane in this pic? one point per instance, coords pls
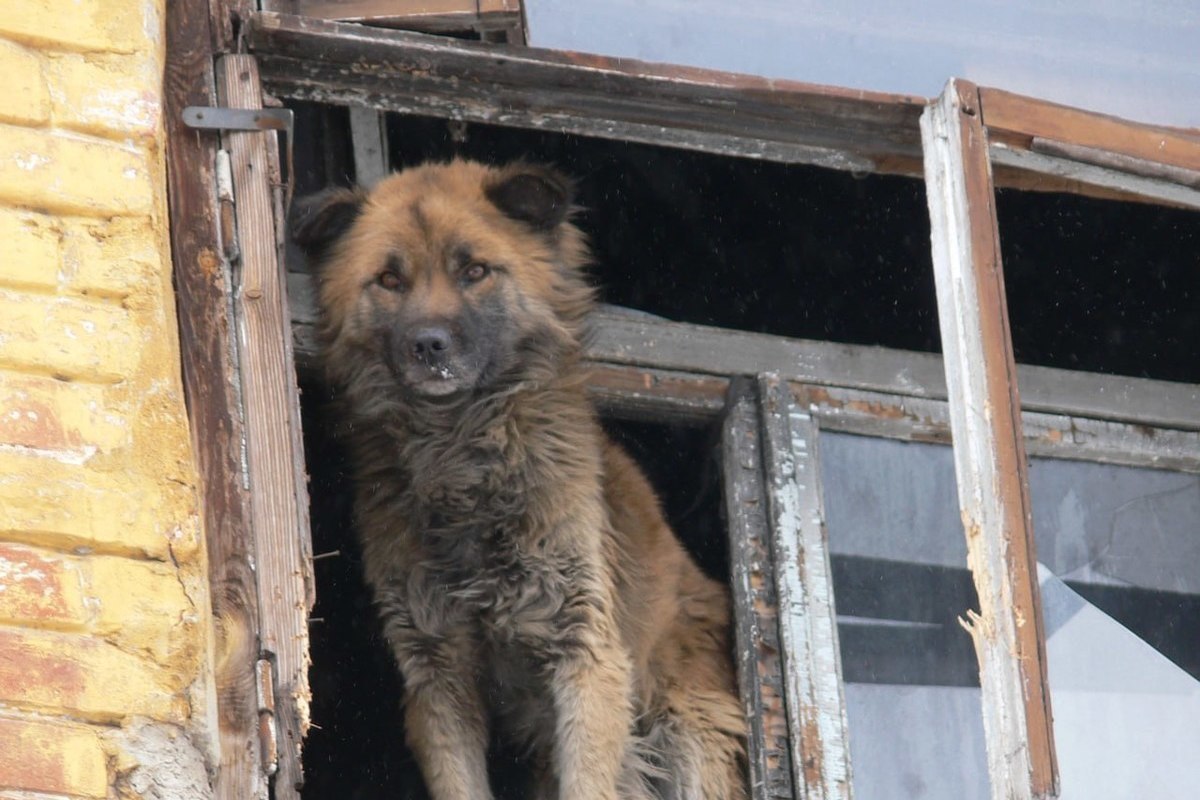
(900, 584)
(1120, 576)
(1135, 60)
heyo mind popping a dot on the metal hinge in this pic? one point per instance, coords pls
(268, 741)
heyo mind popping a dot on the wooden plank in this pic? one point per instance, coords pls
(368, 136)
(812, 669)
(989, 452)
(274, 455)
(1012, 115)
(1121, 185)
(423, 15)
(755, 609)
(643, 340)
(585, 94)
(211, 383)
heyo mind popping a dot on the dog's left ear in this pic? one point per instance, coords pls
(538, 195)
(319, 220)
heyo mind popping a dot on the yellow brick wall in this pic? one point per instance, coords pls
(103, 592)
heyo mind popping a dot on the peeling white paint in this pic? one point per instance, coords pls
(30, 161)
(77, 457)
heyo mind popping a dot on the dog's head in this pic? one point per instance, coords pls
(447, 278)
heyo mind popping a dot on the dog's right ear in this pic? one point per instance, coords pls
(320, 219)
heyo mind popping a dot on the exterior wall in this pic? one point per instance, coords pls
(103, 591)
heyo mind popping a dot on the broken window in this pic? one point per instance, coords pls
(775, 238)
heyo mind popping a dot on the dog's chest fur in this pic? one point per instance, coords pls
(463, 537)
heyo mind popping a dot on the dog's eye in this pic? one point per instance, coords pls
(391, 281)
(475, 272)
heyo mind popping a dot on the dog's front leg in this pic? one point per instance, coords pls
(446, 728)
(591, 687)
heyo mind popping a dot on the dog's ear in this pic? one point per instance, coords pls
(538, 195)
(320, 219)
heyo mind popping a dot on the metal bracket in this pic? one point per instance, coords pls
(212, 118)
(240, 119)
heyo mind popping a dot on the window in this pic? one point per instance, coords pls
(831, 625)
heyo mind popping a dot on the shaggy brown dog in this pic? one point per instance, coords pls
(528, 583)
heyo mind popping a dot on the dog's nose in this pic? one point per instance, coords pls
(430, 342)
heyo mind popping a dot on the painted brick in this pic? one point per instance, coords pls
(105, 95)
(26, 100)
(111, 257)
(29, 249)
(88, 678)
(66, 506)
(40, 589)
(101, 25)
(140, 606)
(72, 173)
(66, 337)
(41, 756)
(47, 414)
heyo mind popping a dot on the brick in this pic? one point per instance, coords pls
(140, 606)
(106, 95)
(90, 679)
(29, 249)
(38, 588)
(47, 414)
(66, 506)
(74, 339)
(112, 257)
(73, 174)
(26, 100)
(94, 25)
(41, 756)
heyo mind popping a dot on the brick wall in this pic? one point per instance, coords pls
(103, 598)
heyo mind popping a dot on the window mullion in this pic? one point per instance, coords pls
(755, 607)
(804, 586)
(989, 451)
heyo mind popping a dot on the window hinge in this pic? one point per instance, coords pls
(268, 742)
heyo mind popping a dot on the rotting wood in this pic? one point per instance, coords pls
(1022, 119)
(279, 505)
(812, 672)
(207, 350)
(755, 608)
(611, 98)
(989, 456)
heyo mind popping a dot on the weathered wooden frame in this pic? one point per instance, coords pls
(989, 456)
(1031, 144)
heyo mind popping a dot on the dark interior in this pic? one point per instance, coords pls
(790, 250)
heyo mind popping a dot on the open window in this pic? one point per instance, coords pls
(776, 322)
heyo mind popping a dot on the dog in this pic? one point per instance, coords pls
(528, 583)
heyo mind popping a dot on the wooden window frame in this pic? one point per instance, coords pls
(643, 367)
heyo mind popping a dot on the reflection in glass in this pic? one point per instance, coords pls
(900, 584)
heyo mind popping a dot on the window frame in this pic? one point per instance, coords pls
(1027, 144)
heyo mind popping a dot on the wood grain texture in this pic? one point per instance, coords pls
(755, 608)
(274, 456)
(812, 670)
(989, 453)
(578, 93)
(211, 381)
(1014, 115)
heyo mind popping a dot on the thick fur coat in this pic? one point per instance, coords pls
(528, 583)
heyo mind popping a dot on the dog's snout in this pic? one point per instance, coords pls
(430, 342)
